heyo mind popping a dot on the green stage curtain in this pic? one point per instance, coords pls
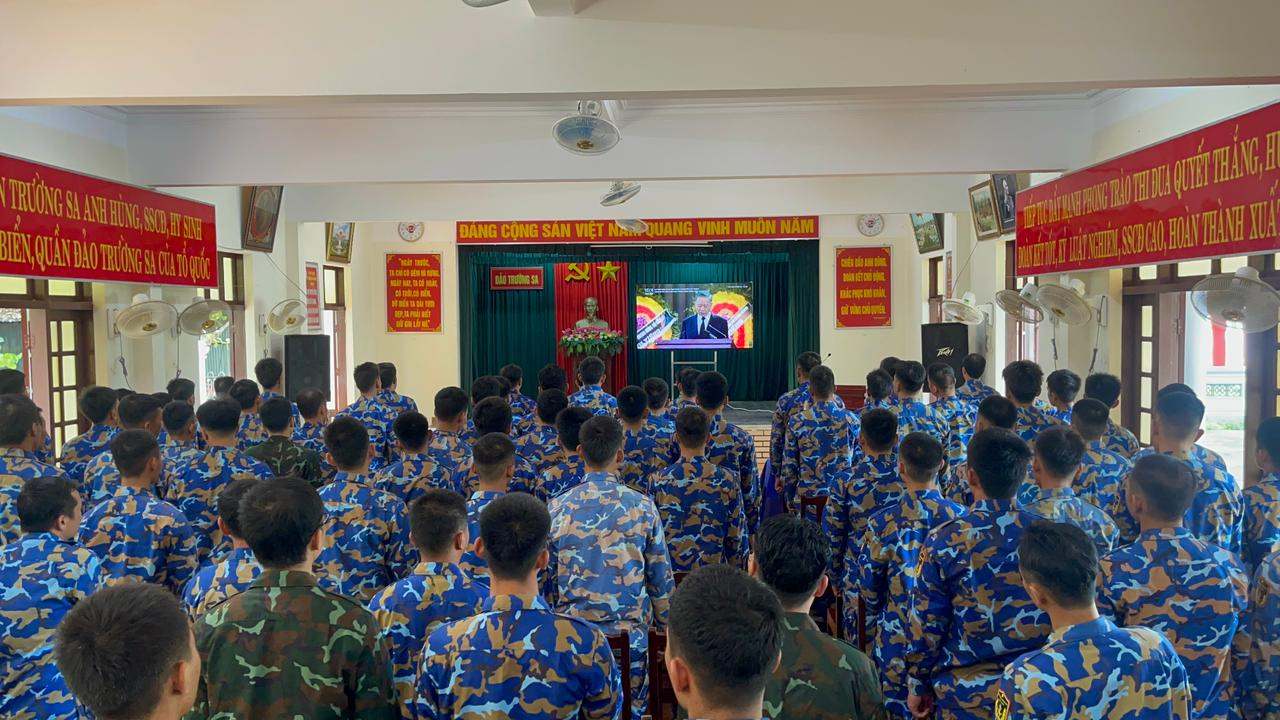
(518, 326)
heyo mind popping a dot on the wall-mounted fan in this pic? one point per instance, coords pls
(1021, 305)
(1241, 301)
(287, 317)
(204, 317)
(963, 309)
(633, 225)
(588, 131)
(146, 317)
(620, 192)
(1065, 303)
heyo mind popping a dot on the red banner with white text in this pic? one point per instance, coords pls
(55, 223)
(533, 232)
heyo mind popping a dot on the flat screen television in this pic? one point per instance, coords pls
(691, 316)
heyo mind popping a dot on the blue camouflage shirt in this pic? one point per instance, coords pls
(821, 445)
(560, 477)
(733, 449)
(960, 416)
(1260, 679)
(595, 399)
(401, 404)
(540, 443)
(522, 405)
(1061, 505)
(788, 404)
(16, 468)
(412, 475)
(218, 580)
(251, 432)
(872, 484)
(645, 453)
(311, 436)
(139, 536)
(1215, 514)
(195, 487)
(1031, 421)
(1102, 472)
(472, 565)
(43, 577)
(297, 414)
(377, 419)
(1261, 520)
(1119, 439)
(368, 544)
(975, 391)
(701, 510)
(451, 445)
(915, 416)
(1192, 592)
(77, 452)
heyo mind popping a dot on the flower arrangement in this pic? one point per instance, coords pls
(591, 341)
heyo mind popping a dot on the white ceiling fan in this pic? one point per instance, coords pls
(619, 192)
(589, 131)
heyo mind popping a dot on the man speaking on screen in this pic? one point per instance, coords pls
(703, 325)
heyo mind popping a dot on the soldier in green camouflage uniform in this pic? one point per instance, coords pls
(284, 648)
(280, 452)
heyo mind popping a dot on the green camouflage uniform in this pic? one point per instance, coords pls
(285, 457)
(284, 648)
(820, 677)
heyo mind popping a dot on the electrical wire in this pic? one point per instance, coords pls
(283, 275)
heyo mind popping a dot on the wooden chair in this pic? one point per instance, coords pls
(620, 645)
(813, 508)
(662, 696)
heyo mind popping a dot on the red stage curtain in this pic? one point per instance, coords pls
(607, 283)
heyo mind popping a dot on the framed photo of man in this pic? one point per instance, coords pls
(338, 240)
(1006, 188)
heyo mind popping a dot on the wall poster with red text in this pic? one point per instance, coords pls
(863, 287)
(413, 292)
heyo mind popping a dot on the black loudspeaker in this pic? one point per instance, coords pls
(946, 342)
(306, 364)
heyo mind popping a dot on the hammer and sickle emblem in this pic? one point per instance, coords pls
(578, 272)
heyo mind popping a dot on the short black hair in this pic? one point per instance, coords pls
(492, 455)
(434, 518)
(181, 389)
(310, 402)
(1179, 415)
(506, 387)
(591, 370)
(12, 382)
(492, 414)
(276, 414)
(1090, 417)
(347, 441)
(135, 410)
(822, 382)
(728, 628)
(921, 455)
(974, 365)
(18, 416)
(792, 554)
(219, 416)
(569, 423)
(552, 377)
(412, 430)
(1064, 384)
(131, 449)
(550, 403)
(712, 390)
(657, 392)
(387, 374)
(807, 361)
(268, 370)
(515, 529)
(879, 384)
(512, 373)
(244, 392)
(632, 402)
(229, 503)
(879, 428)
(1060, 450)
(279, 517)
(1061, 559)
(890, 365)
(162, 397)
(999, 458)
(600, 439)
(1024, 380)
(1175, 387)
(910, 375)
(687, 379)
(1103, 387)
(366, 376)
(222, 385)
(1166, 483)
(97, 402)
(999, 411)
(449, 403)
(42, 500)
(1268, 438)
(692, 427)
(942, 376)
(117, 648)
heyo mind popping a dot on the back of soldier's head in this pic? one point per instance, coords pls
(245, 392)
(692, 428)
(492, 414)
(310, 403)
(632, 403)
(1268, 439)
(688, 382)
(97, 402)
(412, 430)
(435, 518)
(119, 650)
(222, 385)
(486, 386)
(366, 376)
(387, 374)
(18, 418)
(712, 391)
(879, 429)
(550, 403)
(657, 393)
(553, 377)
(132, 449)
(492, 455)
(1175, 387)
(879, 384)
(1059, 450)
(177, 417)
(974, 365)
(1089, 417)
(449, 404)
(181, 390)
(600, 440)
(1103, 387)
(591, 371)
(941, 376)
(514, 529)
(999, 458)
(910, 375)
(268, 371)
(42, 500)
(792, 554)
(1178, 416)
(137, 410)
(218, 416)
(276, 414)
(229, 503)
(568, 424)
(279, 517)
(12, 382)
(807, 361)
(1023, 380)
(1166, 485)
(1064, 385)
(890, 365)
(822, 382)
(1060, 559)
(998, 411)
(513, 374)
(921, 455)
(726, 627)
(347, 441)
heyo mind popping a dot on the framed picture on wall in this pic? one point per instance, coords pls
(338, 240)
(1006, 187)
(982, 203)
(262, 213)
(928, 230)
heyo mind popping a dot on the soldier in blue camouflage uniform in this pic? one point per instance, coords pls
(368, 411)
(1215, 514)
(517, 658)
(958, 413)
(658, 394)
(1088, 667)
(368, 539)
(539, 445)
(236, 570)
(1023, 381)
(315, 418)
(522, 406)
(179, 446)
(888, 561)
(101, 478)
(447, 427)
(971, 387)
(285, 647)
(1262, 500)
(591, 374)
(98, 404)
(1259, 680)
(1056, 462)
(647, 447)
(880, 391)
(270, 374)
(730, 447)
(137, 535)
(1105, 388)
(1189, 590)
(872, 484)
(1200, 455)
(21, 428)
(493, 415)
(1062, 386)
(14, 382)
(388, 396)
(567, 468)
(971, 614)
(913, 414)
(995, 411)
(436, 592)
(789, 403)
(1102, 471)
(494, 463)
(821, 442)
(44, 573)
(250, 431)
(195, 485)
(483, 388)
(417, 469)
(687, 395)
(609, 561)
(699, 503)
